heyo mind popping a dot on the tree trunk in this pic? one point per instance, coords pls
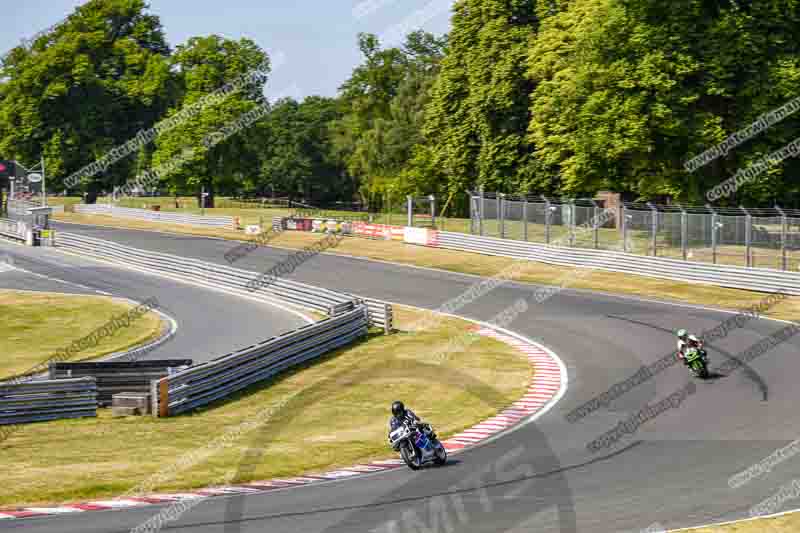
(91, 193)
(209, 188)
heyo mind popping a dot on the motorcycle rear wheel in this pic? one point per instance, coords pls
(410, 456)
(440, 457)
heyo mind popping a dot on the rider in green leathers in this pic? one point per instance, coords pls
(687, 341)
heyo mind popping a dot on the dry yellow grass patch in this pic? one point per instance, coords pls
(35, 325)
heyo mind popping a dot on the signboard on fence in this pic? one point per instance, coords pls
(415, 235)
(378, 231)
(298, 224)
(422, 236)
(252, 229)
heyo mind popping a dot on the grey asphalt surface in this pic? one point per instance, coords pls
(673, 471)
(210, 323)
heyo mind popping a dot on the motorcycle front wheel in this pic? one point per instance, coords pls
(410, 456)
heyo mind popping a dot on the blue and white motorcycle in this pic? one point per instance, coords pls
(418, 445)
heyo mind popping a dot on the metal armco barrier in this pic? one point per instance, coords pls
(37, 401)
(116, 377)
(350, 318)
(15, 229)
(156, 216)
(234, 279)
(755, 279)
(208, 382)
(382, 313)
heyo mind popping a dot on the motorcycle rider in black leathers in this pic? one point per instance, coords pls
(400, 415)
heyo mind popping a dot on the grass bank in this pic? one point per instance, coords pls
(35, 325)
(788, 523)
(332, 412)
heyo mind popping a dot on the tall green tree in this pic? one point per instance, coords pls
(205, 65)
(478, 116)
(84, 88)
(296, 152)
(383, 104)
(628, 90)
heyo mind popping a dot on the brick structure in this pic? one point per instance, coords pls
(611, 200)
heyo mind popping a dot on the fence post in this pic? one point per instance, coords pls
(410, 210)
(714, 227)
(624, 223)
(525, 218)
(571, 222)
(546, 219)
(595, 223)
(483, 211)
(748, 228)
(653, 227)
(784, 228)
(432, 198)
(501, 213)
(684, 228)
(471, 199)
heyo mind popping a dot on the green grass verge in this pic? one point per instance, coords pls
(333, 412)
(789, 523)
(36, 325)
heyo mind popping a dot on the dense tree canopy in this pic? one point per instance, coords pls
(85, 88)
(205, 65)
(628, 91)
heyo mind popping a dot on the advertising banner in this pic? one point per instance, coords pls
(421, 236)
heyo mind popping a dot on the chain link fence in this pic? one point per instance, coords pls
(761, 238)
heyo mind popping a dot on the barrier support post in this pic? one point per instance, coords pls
(432, 198)
(410, 211)
(163, 397)
(595, 224)
(387, 322)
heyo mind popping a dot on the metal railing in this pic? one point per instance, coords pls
(156, 216)
(116, 377)
(381, 314)
(14, 229)
(349, 318)
(285, 291)
(205, 383)
(37, 401)
(756, 279)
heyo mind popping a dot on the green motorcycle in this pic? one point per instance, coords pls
(696, 360)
